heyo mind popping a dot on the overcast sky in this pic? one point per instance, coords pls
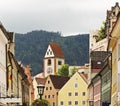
(66, 16)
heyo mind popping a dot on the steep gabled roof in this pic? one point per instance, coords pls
(58, 81)
(57, 50)
(40, 80)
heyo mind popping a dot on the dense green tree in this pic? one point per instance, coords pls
(101, 32)
(73, 71)
(63, 70)
(30, 48)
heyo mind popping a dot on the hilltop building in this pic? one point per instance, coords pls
(53, 59)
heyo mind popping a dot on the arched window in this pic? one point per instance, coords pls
(49, 61)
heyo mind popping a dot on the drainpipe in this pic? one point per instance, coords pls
(111, 78)
(6, 68)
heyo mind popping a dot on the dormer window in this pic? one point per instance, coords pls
(47, 53)
(49, 61)
(50, 52)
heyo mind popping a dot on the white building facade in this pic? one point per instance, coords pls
(97, 46)
(3, 64)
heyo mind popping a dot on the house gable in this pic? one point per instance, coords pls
(58, 81)
(54, 50)
(49, 52)
(74, 92)
(50, 93)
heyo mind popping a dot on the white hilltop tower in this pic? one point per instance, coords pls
(53, 59)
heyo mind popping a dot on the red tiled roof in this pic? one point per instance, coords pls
(58, 81)
(40, 80)
(57, 50)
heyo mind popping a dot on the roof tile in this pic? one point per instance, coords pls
(59, 81)
(40, 80)
(57, 50)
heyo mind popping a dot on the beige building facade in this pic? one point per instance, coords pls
(52, 86)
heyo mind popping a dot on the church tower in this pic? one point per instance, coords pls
(53, 59)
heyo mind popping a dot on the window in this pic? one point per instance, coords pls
(83, 103)
(83, 93)
(53, 96)
(76, 93)
(45, 96)
(46, 88)
(69, 103)
(53, 103)
(76, 102)
(50, 52)
(48, 96)
(48, 81)
(61, 103)
(91, 103)
(59, 62)
(69, 94)
(50, 88)
(99, 62)
(49, 61)
(76, 85)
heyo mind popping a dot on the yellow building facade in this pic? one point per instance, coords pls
(74, 92)
(114, 47)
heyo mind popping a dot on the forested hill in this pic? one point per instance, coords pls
(30, 48)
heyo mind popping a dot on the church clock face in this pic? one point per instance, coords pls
(49, 70)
